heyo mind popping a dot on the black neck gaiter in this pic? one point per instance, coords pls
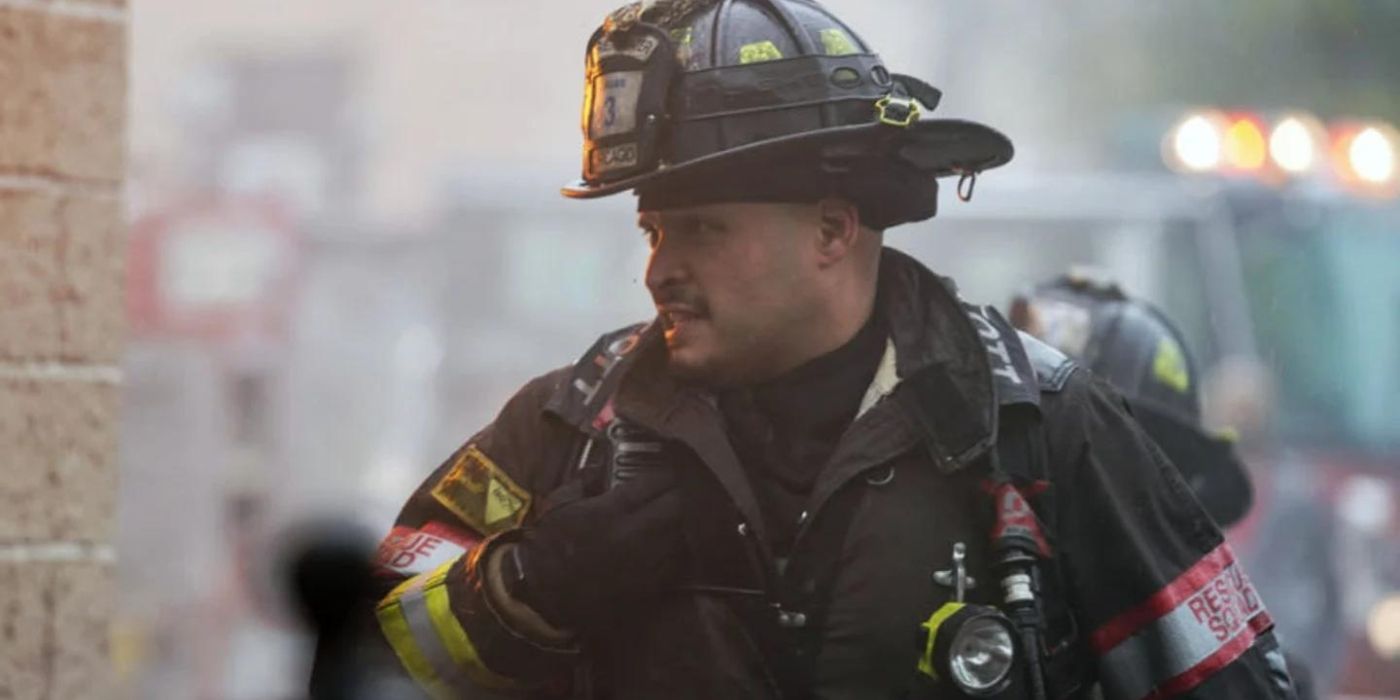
(784, 430)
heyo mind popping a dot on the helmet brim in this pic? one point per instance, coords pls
(938, 147)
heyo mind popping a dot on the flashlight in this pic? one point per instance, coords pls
(971, 646)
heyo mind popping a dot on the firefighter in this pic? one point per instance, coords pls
(1136, 348)
(1133, 346)
(817, 472)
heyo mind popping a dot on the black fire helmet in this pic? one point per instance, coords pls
(1133, 346)
(699, 101)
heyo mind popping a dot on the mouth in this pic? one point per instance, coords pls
(675, 317)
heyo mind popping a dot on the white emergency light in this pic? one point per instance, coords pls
(1371, 156)
(1196, 142)
(1293, 145)
(1364, 157)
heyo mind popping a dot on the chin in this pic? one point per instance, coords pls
(686, 362)
(692, 365)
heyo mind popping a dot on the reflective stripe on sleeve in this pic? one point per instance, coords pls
(409, 551)
(417, 620)
(1184, 633)
(395, 627)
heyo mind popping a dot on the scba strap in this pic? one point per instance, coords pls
(1023, 496)
(1021, 490)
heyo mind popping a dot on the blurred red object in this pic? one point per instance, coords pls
(212, 268)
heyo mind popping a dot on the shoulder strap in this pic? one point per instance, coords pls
(1020, 449)
(1022, 457)
(1023, 368)
(584, 396)
(1052, 368)
(1013, 377)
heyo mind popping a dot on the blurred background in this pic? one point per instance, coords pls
(346, 248)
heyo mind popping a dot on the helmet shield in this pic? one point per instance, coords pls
(628, 78)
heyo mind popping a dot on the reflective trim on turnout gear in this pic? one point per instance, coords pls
(1184, 633)
(418, 622)
(409, 551)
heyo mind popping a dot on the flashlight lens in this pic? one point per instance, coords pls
(981, 655)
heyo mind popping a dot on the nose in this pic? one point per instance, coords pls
(665, 266)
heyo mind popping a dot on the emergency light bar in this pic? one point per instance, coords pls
(1364, 156)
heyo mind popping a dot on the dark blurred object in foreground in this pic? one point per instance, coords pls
(328, 569)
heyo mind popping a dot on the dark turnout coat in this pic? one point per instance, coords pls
(1142, 597)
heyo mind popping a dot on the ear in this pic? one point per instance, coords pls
(839, 229)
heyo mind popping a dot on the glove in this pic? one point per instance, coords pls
(584, 557)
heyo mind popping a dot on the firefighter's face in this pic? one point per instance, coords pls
(735, 286)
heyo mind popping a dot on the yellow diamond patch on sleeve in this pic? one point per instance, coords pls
(501, 503)
(481, 494)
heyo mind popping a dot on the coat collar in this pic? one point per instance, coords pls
(948, 365)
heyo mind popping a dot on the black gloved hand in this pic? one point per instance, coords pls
(585, 557)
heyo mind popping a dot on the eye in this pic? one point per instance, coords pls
(710, 227)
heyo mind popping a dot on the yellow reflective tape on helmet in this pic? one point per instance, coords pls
(931, 626)
(758, 52)
(1169, 366)
(837, 42)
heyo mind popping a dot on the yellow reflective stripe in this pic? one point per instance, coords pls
(417, 619)
(458, 644)
(1169, 366)
(935, 621)
(437, 576)
(837, 43)
(396, 630)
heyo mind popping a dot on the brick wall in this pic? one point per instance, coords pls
(62, 120)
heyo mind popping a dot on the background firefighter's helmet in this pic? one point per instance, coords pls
(1136, 348)
(683, 95)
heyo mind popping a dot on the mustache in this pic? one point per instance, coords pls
(680, 296)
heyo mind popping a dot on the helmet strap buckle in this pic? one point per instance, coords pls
(897, 111)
